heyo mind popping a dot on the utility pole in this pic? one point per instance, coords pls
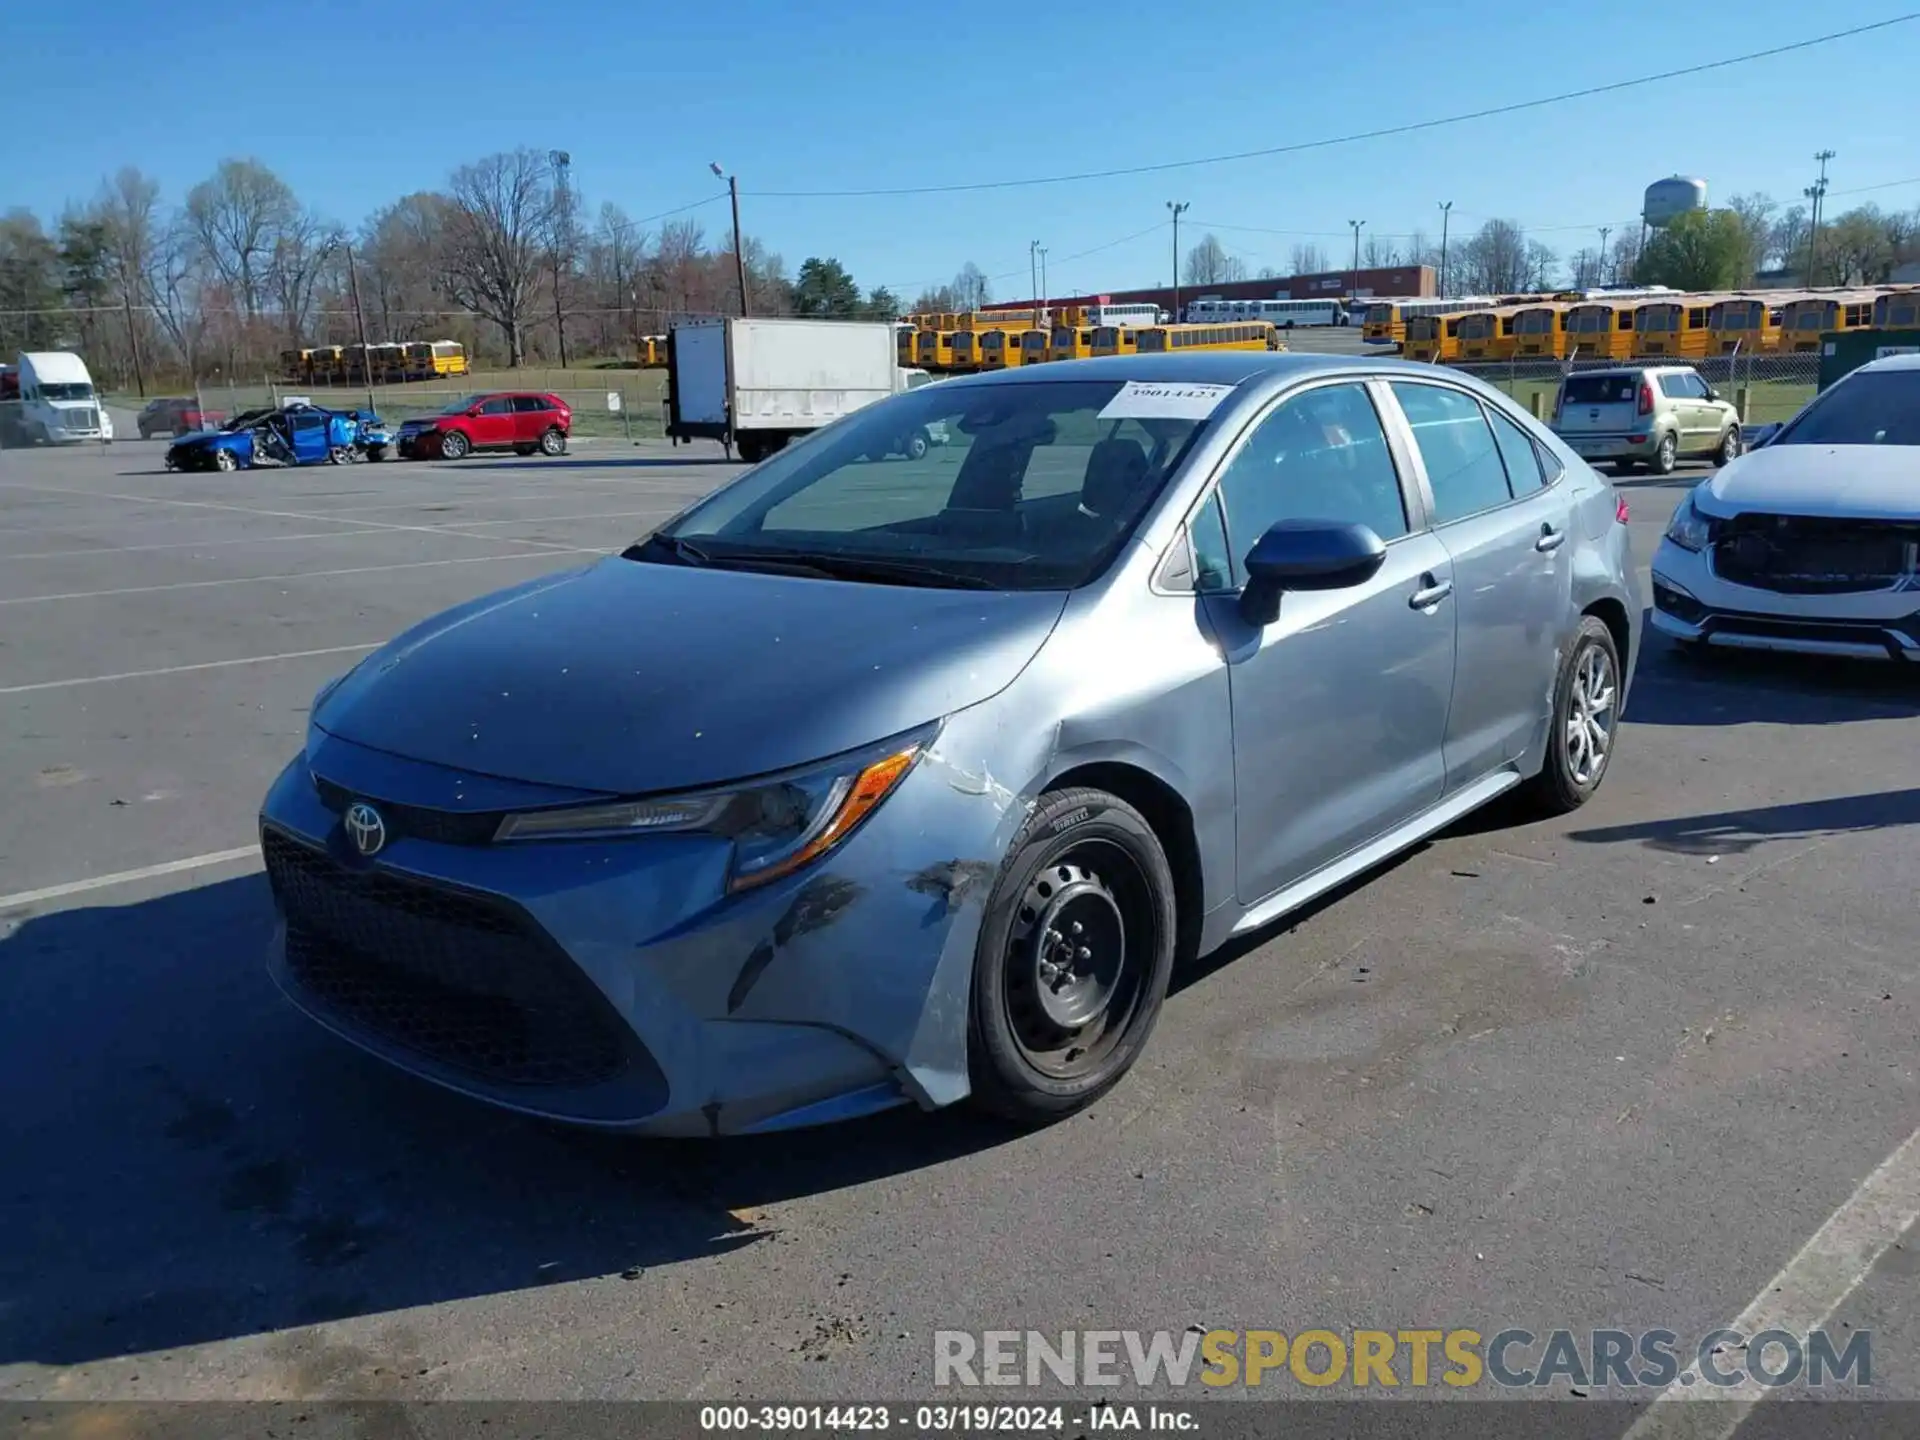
(1177, 210)
(562, 245)
(1033, 277)
(1601, 270)
(133, 339)
(1043, 285)
(739, 240)
(1354, 291)
(1446, 214)
(360, 323)
(1817, 193)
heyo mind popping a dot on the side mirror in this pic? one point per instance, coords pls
(1307, 555)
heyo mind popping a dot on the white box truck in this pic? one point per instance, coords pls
(755, 384)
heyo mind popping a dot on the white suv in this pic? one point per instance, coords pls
(1645, 414)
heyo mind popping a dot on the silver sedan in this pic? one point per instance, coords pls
(876, 779)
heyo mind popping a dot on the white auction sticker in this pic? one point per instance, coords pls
(1154, 400)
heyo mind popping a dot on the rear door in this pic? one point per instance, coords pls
(532, 414)
(1596, 409)
(309, 437)
(493, 425)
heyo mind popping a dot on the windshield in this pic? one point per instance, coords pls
(1013, 486)
(460, 407)
(1879, 407)
(76, 391)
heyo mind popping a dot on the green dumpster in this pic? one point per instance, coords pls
(1844, 351)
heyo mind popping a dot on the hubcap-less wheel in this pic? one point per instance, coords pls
(553, 442)
(1589, 736)
(1072, 978)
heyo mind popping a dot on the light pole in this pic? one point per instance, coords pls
(1177, 210)
(1605, 231)
(1446, 214)
(739, 240)
(1816, 192)
(562, 162)
(1354, 293)
(1033, 277)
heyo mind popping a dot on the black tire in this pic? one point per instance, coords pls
(377, 453)
(1728, 450)
(1564, 782)
(1625, 467)
(752, 449)
(917, 445)
(1084, 857)
(552, 442)
(454, 445)
(1665, 455)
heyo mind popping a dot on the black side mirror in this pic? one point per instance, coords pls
(1307, 555)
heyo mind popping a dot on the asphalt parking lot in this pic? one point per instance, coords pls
(1615, 1070)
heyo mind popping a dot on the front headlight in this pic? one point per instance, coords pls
(1689, 529)
(776, 825)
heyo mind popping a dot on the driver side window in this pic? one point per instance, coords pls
(1320, 455)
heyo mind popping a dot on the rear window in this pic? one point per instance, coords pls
(1600, 390)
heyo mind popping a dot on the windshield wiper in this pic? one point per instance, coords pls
(888, 571)
(656, 547)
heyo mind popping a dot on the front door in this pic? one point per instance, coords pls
(309, 437)
(1509, 537)
(493, 425)
(1340, 706)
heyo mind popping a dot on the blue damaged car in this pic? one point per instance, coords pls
(294, 434)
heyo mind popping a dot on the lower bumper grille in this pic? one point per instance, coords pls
(462, 979)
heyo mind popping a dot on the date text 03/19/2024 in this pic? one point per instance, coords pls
(941, 1419)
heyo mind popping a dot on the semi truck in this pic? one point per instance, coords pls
(755, 384)
(48, 399)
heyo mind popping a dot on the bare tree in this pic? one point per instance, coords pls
(400, 263)
(237, 216)
(1624, 254)
(1309, 259)
(1755, 213)
(1493, 261)
(173, 285)
(1378, 252)
(301, 252)
(1420, 250)
(1543, 263)
(1208, 263)
(497, 227)
(1787, 241)
(970, 287)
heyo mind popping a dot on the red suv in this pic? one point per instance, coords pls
(521, 421)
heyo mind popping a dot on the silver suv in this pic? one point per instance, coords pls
(1648, 415)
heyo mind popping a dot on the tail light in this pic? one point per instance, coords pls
(1646, 399)
(1620, 509)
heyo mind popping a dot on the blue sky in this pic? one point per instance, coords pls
(864, 94)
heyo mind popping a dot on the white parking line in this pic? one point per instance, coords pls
(193, 544)
(1804, 1295)
(184, 669)
(298, 575)
(125, 877)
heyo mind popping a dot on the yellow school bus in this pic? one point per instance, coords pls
(1382, 322)
(326, 364)
(1115, 340)
(1897, 309)
(389, 362)
(1486, 334)
(1432, 338)
(997, 320)
(966, 351)
(296, 364)
(450, 358)
(1746, 322)
(1071, 341)
(1539, 331)
(1600, 329)
(1671, 329)
(933, 349)
(1804, 321)
(903, 344)
(1036, 347)
(1005, 349)
(1239, 335)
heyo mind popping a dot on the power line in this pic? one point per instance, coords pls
(1512, 108)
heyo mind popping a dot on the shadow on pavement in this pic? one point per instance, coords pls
(610, 461)
(1736, 687)
(1734, 832)
(188, 1159)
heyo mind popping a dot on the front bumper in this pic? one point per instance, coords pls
(417, 444)
(609, 983)
(1692, 603)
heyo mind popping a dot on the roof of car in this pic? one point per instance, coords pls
(1894, 362)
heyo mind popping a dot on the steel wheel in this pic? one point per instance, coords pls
(1073, 980)
(1589, 728)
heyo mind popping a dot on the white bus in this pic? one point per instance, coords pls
(1134, 317)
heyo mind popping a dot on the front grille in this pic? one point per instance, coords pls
(1801, 555)
(442, 827)
(463, 979)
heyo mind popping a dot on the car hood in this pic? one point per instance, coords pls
(1837, 481)
(630, 677)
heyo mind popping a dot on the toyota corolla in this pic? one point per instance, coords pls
(875, 779)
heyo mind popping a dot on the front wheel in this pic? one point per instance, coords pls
(225, 460)
(1586, 715)
(917, 445)
(552, 442)
(1665, 455)
(1073, 958)
(1728, 450)
(454, 445)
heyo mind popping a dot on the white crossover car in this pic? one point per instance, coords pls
(1811, 541)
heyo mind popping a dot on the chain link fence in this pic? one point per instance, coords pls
(1765, 388)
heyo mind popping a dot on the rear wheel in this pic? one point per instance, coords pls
(1073, 958)
(552, 442)
(752, 448)
(1586, 715)
(1665, 455)
(917, 445)
(1729, 448)
(454, 445)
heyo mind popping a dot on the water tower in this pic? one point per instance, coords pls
(1667, 200)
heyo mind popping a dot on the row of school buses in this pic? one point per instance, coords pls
(1001, 339)
(374, 364)
(1635, 325)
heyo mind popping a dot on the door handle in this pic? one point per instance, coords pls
(1431, 592)
(1550, 539)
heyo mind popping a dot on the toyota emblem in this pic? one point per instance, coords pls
(365, 828)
